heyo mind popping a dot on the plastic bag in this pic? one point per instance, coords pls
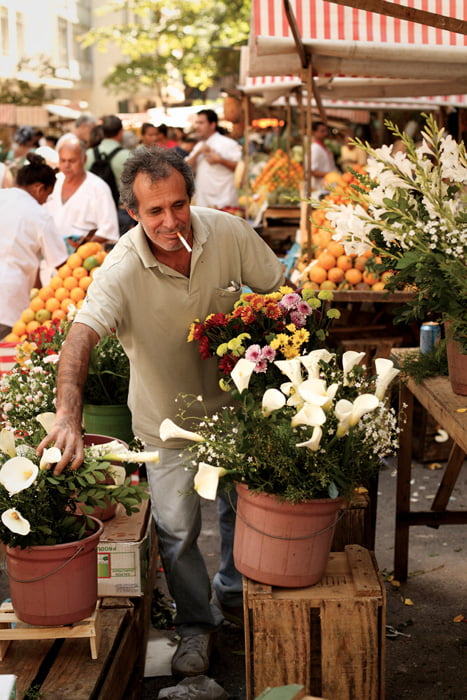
(196, 688)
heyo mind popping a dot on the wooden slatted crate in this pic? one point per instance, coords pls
(329, 637)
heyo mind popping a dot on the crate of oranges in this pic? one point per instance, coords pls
(67, 288)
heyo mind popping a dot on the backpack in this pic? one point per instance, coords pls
(102, 168)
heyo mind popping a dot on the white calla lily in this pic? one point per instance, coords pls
(292, 369)
(314, 442)
(312, 360)
(241, 374)
(51, 455)
(129, 456)
(14, 521)
(118, 474)
(206, 480)
(7, 442)
(349, 360)
(315, 391)
(309, 414)
(47, 420)
(385, 373)
(273, 399)
(168, 430)
(18, 474)
(348, 414)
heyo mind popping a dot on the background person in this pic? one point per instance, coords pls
(322, 160)
(112, 129)
(83, 126)
(81, 202)
(214, 160)
(150, 288)
(149, 134)
(28, 234)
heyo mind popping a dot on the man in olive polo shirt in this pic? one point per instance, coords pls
(150, 288)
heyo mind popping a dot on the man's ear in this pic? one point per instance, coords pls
(133, 214)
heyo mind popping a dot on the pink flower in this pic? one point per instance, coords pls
(268, 353)
(289, 301)
(261, 367)
(303, 308)
(253, 353)
(299, 320)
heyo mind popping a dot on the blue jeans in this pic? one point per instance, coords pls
(177, 513)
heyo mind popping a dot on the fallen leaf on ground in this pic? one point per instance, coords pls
(408, 601)
(459, 618)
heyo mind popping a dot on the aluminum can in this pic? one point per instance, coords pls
(430, 335)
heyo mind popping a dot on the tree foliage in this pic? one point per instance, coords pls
(163, 40)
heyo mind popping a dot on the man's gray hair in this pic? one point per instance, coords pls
(88, 119)
(70, 140)
(159, 164)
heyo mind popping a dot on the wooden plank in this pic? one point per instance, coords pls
(364, 577)
(453, 467)
(281, 643)
(354, 295)
(350, 649)
(74, 674)
(24, 660)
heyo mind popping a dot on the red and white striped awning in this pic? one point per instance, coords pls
(358, 54)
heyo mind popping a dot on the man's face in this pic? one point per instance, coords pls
(204, 128)
(150, 136)
(321, 132)
(163, 209)
(71, 160)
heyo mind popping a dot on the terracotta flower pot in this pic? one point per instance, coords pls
(283, 544)
(457, 364)
(54, 584)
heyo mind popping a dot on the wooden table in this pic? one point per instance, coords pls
(436, 396)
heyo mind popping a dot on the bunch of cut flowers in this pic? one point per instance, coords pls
(263, 328)
(38, 507)
(411, 212)
(319, 430)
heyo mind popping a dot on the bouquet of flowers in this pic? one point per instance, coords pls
(319, 430)
(38, 507)
(263, 328)
(411, 212)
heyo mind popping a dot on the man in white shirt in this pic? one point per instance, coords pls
(81, 202)
(322, 160)
(214, 160)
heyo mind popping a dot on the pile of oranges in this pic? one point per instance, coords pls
(280, 170)
(67, 288)
(331, 268)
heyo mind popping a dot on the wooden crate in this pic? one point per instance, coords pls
(329, 637)
(354, 526)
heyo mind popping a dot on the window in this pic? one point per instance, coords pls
(63, 55)
(4, 31)
(20, 34)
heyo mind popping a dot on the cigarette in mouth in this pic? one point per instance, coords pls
(184, 241)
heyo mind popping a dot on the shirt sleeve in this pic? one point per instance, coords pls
(53, 248)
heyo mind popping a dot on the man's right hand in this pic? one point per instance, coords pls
(67, 436)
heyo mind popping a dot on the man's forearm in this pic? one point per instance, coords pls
(73, 370)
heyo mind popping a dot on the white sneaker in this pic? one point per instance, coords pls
(192, 655)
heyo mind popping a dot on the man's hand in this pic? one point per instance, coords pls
(66, 435)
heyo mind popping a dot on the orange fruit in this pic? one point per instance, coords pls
(360, 262)
(77, 294)
(370, 278)
(32, 326)
(64, 271)
(74, 260)
(36, 304)
(11, 338)
(61, 293)
(353, 276)
(344, 262)
(43, 315)
(336, 248)
(327, 284)
(89, 248)
(55, 282)
(66, 303)
(27, 315)
(386, 275)
(100, 256)
(52, 304)
(58, 314)
(80, 272)
(70, 282)
(310, 285)
(317, 274)
(326, 260)
(85, 282)
(336, 274)
(378, 286)
(19, 327)
(79, 303)
(46, 292)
